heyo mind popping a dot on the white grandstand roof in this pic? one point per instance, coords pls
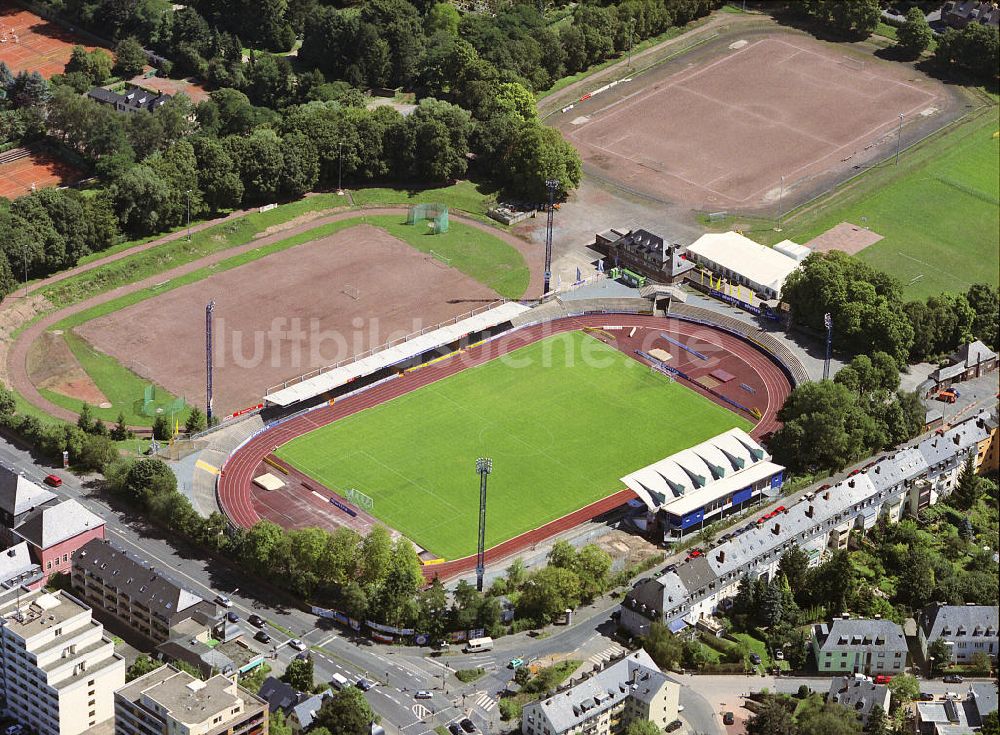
(694, 477)
(344, 374)
(755, 262)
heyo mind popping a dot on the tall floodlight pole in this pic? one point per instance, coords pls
(24, 256)
(340, 168)
(631, 35)
(189, 214)
(551, 185)
(899, 134)
(828, 323)
(209, 317)
(781, 198)
(484, 466)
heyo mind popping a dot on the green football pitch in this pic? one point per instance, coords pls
(563, 419)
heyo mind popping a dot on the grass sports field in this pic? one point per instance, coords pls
(938, 214)
(561, 430)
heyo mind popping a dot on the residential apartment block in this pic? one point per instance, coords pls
(632, 688)
(904, 482)
(135, 594)
(859, 646)
(966, 629)
(171, 701)
(59, 670)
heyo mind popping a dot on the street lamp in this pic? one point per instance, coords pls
(899, 134)
(188, 193)
(24, 254)
(484, 466)
(781, 197)
(340, 167)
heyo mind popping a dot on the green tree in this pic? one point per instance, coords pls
(916, 580)
(878, 722)
(130, 58)
(548, 592)
(832, 719)
(142, 665)
(162, 430)
(794, 566)
(195, 421)
(914, 36)
(347, 712)
(443, 18)
(905, 688)
(299, 674)
(8, 404)
(991, 723)
(968, 488)
(984, 300)
(277, 725)
(979, 664)
(375, 555)
(144, 479)
(663, 646)
(593, 566)
(938, 655)
(852, 18)
(85, 420)
(773, 718)
(642, 727)
(972, 52)
(562, 554)
(95, 452)
(120, 431)
(218, 178)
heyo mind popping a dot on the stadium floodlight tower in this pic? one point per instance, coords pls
(551, 185)
(484, 466)
(828, 323)
(209, 318)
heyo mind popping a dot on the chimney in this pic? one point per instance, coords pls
(878, 469)
(826, 495)
(777, 529)
(809, 511)
(721, 557)
(850, 483)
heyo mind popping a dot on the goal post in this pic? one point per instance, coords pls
(360, 499)
(353, 291)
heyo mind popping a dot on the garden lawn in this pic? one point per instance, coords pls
(939, 214)
(563, 419)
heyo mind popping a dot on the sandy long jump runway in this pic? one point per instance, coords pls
(287, 313)
(723, 133)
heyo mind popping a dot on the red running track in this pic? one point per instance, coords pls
(750, 366)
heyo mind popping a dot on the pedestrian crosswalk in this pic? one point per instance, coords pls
(606, 654)
(485, 701)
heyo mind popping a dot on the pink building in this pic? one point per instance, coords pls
(54, 533)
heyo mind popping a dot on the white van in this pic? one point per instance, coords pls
(340, 682)
(475, 645)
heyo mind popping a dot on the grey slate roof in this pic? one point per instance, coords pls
(143, 583)
(306, 710)
(859, 694)
(46, 527)
(636, 675)
(16, 561)
(984, 695)
(948, 620)
(849, 635)
(18, 494)
(280, 695)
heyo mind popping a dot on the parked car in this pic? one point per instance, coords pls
(363, 684)
(952, 679)
(297, 644)
(883, 679)
(262, 636)
(675, 725)
(455, 729)
(422, 694)
(223, 600)
(729, 719)
(695, 553)
(779, 655)
(515, 663)
(52, 481)
(257, 621)
(467, 725)
(754, 659)
(926, 697)
(779, 509)
(232, 617)
(824, 487)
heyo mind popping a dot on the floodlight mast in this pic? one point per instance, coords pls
(484, 466)
(551, 185)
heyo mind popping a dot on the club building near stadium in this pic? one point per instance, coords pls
(897, 484)
(698, 486)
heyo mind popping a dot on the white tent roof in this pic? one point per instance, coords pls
(755, 262)
(344, 374)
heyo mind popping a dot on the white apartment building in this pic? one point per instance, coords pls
(628, 690)
(58, 671)
(168, 700)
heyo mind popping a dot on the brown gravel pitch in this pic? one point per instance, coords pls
(285, 314)
(722, 132)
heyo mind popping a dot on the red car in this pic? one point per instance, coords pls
(855, 472)
(779, 509)
(824, 487)
(883, 679)
(53, 480)
(695, 553)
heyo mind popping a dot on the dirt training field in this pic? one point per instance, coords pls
(20, 169)
(30, 43)
(285, 314)
(723, 131)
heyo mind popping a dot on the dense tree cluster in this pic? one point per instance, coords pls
(972, 52)
(851, 18)
(829, 424)
(915, 35)
(869, 314)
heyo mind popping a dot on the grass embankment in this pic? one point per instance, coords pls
(412, 455)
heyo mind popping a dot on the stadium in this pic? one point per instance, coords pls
(564, 406)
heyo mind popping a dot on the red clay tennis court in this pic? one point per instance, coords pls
(30, 43)
(22, 169)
